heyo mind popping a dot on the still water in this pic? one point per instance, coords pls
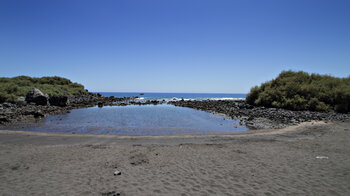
(138, 120)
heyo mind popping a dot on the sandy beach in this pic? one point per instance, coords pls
(308, 159)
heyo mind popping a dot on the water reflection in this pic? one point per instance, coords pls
(138, 120)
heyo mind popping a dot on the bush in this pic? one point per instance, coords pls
(302, 91)
(12, 88)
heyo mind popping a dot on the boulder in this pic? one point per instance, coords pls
(21, 101)
(100, 104)
(59, 100)
(37, 97)
(3, 119)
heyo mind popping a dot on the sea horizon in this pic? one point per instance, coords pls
(177, 96)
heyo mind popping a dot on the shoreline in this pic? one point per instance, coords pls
(18, 114)
(294, 131)
(233, 134)
(256, 117)
(253, 117)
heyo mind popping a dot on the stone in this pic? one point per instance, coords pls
(117, 173)
(7, 105)
(100, 104)
(21, 101)
(37, 97)
(3, 119)
(38, 114)
(61, 101)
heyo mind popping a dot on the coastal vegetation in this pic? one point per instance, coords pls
(302, 91)
(12, 88)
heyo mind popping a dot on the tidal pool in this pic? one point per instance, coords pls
(138, 120)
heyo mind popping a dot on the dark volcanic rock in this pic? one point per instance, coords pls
(33, 111)
(3, 119)
(251, 116)
(37, 97)
(260, 117)
(59, 100)
(85, 99)
(100, 104)
(12, 114)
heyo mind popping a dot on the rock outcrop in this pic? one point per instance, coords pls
(39, 105)
(61, 101)
(21, 101)
(37, 97)
(260, 117)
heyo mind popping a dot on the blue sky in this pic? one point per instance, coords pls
(173, 45)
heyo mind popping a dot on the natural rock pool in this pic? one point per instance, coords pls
(137, 120)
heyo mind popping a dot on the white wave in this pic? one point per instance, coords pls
(174, 99)
(225, 98)
(199, 99)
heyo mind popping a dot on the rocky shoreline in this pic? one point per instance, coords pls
(251, 116)
(23, 112)
(260, 117)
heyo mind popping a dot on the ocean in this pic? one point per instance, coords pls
(177, 96)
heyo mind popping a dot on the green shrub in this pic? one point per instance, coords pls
(302, 91)
(12, 88)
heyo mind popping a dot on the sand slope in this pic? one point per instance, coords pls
(281, 162)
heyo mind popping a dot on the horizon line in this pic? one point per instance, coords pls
(158, 92)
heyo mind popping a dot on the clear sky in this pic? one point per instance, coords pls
(173, 45)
